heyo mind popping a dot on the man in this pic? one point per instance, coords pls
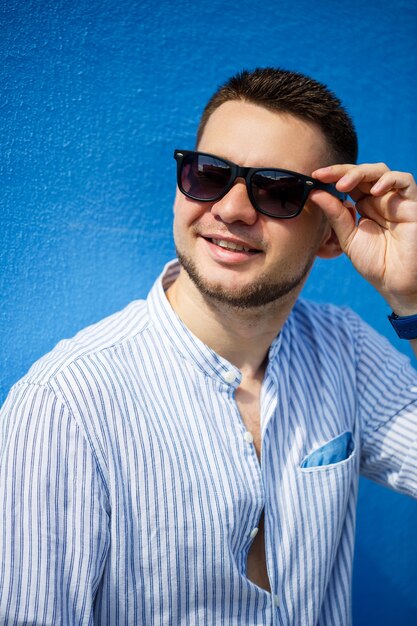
(194, 459)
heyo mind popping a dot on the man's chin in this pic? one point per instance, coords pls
(248, 296)
(242, 298)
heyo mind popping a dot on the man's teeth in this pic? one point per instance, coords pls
(230, 245)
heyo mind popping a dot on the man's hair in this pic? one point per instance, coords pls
(294, 93)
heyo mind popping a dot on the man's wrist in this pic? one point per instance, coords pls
(403, 306)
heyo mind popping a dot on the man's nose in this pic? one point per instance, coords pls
(235, 206)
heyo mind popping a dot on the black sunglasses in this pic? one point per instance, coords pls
(273, 192)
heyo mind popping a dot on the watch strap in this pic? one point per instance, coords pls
(405, 327)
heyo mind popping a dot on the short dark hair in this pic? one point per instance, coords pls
(294, 93)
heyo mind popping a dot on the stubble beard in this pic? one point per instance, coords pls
(259, 294)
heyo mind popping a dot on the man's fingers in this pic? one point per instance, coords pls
(374, 179)
(332, 173)
(362, 177)
(356, 180)
(348, 176)
(341, 216)
(401, 182)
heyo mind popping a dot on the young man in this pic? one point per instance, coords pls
(194, 459)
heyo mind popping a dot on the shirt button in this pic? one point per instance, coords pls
(229, 376)
(248, 437)
(276, 600)
(254, 532)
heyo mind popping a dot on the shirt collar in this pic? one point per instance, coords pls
(182, 339)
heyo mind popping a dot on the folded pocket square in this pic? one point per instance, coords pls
(334, 451)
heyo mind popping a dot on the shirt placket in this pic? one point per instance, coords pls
(268, 409)
(252, 466)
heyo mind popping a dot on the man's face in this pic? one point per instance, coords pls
(281, 251)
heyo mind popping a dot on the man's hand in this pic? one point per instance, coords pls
(382, 245)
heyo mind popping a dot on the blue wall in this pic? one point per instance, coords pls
(95, 94)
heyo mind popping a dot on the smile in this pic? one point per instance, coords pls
(230, 245)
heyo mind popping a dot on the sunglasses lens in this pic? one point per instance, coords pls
(277, 193)
(204, 177)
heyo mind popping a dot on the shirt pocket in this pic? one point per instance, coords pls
(325, 502)
(338, 450)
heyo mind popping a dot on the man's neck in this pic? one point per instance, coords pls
(242, 336)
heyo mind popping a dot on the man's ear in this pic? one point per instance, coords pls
(330, 246)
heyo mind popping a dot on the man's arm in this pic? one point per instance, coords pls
(382, 245)
(54, 523)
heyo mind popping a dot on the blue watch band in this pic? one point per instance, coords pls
(405, 327)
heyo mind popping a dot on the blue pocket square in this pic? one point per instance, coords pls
(334, 451)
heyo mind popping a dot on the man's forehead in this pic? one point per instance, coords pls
(255, 136)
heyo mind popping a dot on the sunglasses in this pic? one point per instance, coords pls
(273, 192)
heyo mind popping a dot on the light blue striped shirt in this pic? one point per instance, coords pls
(129, 491)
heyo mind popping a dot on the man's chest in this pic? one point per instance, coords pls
(189, 489)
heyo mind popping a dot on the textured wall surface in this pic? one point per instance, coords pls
(96, 95)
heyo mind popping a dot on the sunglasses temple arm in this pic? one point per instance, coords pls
(330, 188)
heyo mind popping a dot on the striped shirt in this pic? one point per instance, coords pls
(130, 489)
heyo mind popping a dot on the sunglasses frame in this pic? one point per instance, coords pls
(246, 173)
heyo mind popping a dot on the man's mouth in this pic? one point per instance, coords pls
(230, 245)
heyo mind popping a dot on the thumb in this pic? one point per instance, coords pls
(341, 216)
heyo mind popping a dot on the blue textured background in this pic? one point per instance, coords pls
(95, 96)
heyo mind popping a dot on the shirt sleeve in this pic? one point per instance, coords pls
(387, 408)
(54, 513)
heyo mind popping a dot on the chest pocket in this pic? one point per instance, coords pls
(334, 451)
(326, 485)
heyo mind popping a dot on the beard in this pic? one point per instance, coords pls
(258, 294)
